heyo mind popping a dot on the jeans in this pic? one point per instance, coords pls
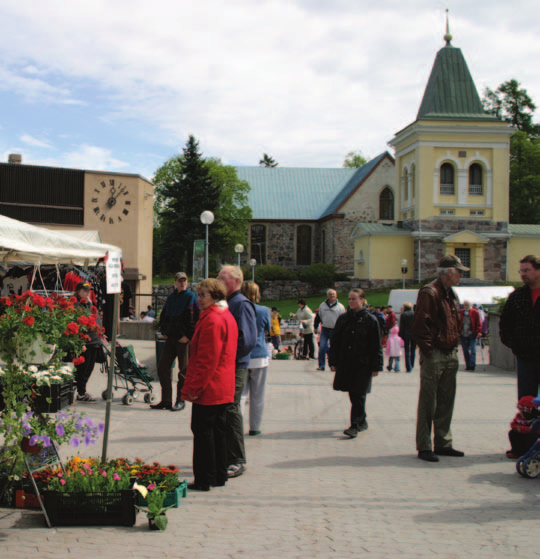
(236, 452)
(438, 374)
(393, 362)
(326, 336)
(468, 343)
(410, 350)
(255, 388)
(528, 378)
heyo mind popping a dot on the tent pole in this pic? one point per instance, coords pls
(116, 304)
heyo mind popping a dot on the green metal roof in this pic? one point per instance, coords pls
(292, 192)
(450, 92)
(525, 230)
(380, 229)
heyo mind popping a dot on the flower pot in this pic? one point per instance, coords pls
(40, 356)
(61, 396)
(30, 448)
(173, 497)
(158, 523)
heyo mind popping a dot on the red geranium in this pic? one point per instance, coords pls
(29, 320)
(78, 361)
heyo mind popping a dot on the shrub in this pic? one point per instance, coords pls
(319, 275)
(271, 273)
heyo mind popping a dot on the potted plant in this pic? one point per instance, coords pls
(155, 511)
(165, 477)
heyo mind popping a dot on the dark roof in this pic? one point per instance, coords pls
(450, 92)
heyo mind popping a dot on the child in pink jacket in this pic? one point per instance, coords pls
(393, 349)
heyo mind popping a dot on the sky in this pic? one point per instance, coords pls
(119, 85)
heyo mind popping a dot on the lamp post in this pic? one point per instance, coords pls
(239, 249)
(404, 270)
(207, 218)
(253, 263)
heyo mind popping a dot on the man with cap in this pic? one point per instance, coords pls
(177, 324)
(437, 331)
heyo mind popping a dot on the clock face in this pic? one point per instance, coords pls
(112, 201)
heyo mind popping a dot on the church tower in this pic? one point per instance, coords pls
(453, 169)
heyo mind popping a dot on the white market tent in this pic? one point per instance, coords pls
(21, 243)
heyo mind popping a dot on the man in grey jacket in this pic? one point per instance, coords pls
(328, 315)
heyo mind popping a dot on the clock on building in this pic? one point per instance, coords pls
(112, 201)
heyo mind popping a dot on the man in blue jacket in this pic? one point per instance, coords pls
(243, 311)
(177, 324)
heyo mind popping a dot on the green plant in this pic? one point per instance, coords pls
(166, 477)
(91, 477)
(155, 497)
(319, 275)
(270, 272)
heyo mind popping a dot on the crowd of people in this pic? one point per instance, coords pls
(224, 341)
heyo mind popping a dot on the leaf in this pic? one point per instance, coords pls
(161, 521)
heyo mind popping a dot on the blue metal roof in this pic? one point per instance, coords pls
(301, 193)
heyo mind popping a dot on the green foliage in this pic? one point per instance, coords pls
(92, 479)
(267, 161)
(319, 275)
(270, 272)
(524, 179)
(354, 160)
(187, 185)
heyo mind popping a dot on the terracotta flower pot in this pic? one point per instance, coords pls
(30, 448)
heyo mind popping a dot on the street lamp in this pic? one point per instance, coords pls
(404, 270)
(207, 218)
(253, 263)
(239, 249)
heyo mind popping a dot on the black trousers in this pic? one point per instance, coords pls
(209, 444)
(83, 371)
(172, 350)
(308, 346)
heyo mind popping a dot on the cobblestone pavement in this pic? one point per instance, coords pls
(310, 492)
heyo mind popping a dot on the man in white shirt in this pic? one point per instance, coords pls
(328, 315)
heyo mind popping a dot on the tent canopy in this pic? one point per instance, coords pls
(21, 243)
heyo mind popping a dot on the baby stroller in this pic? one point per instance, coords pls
(529, 464)
(129, 374)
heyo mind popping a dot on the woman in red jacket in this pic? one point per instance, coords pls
(209, 384)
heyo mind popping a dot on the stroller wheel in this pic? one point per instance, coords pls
(134, 393)
(127, 400)
(532, 468)
(149, 398)
(104, 395)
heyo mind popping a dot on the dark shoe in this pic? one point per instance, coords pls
(428, 456)
(162, 406)
(86, 398)
(219, 484)
(320, 368)
(351, 432)
(472, 368)
(198, 487)
(511, 455)
(449, 451)
(254, 433)
(179, 406)
(235, 470)
(363, 426)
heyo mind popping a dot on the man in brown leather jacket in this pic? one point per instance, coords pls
(437, 329)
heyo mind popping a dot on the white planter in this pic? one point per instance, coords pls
(38, 352)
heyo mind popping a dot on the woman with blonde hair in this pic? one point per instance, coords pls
(258, 364)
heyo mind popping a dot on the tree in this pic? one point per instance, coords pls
(513, 104)
(267, 161)
(187, 185)
(354, 160)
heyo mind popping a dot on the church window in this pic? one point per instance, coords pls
(258, 243)
(447, 180)
(406, 184)
(475, 180)
(386, 205)
(303, 245)
(413, 180)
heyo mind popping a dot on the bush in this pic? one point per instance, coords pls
(319, 275)
(271, 273)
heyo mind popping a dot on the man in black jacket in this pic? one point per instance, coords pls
(405, 333)
(519, 326)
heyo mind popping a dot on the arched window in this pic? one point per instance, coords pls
(447, 180)
(258, 243)
(303, 245)
(406, 184)
(476, 187)
(413, 181)
(386, 205)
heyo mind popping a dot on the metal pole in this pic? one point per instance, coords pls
(206, 255)
(239, 260)
(116, 304)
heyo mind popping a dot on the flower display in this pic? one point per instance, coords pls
(166, 477)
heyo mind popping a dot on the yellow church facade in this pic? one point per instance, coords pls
(452, 197)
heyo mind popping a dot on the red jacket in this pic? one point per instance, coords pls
(476, 325)
(211, 368)
(390, 320)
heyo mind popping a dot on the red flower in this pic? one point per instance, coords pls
(78, 361)
(27, 308)
(29, 320)
(84, 301)
(83, 320)
(72, 328)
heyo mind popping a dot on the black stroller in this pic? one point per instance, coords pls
(129, 375)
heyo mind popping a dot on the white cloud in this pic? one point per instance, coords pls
(82, 157)
(303, 80)
(31, 141)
